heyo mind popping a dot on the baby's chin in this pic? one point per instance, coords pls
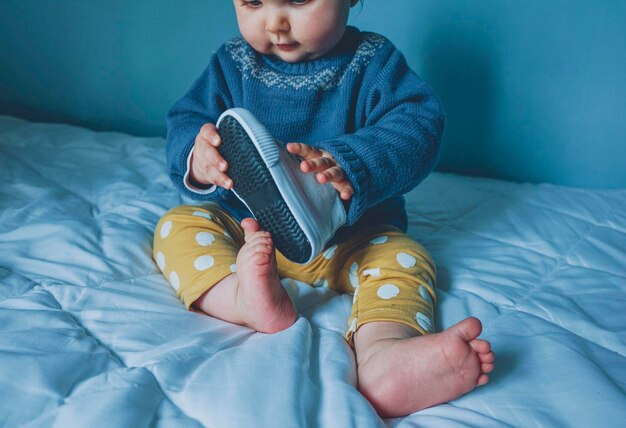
(297, 54)
(294, 59)
(293, 56)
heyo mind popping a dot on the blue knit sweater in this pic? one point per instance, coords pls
(360, 102)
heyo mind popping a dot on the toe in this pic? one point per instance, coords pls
(260, 243)
(482, 380)
(488, 357)
(261, 258)
(468, 329)
(480, 346)
(486, 367)
(249, 226)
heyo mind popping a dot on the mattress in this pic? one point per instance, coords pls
(91, 334)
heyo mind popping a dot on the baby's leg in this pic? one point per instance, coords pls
(401, 371)
(254, 293)
(225, 270)
(402, 365)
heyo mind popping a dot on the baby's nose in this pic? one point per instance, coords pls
(277, 22)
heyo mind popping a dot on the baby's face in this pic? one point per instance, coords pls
(293, 30)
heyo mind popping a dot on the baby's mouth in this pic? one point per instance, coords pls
(286, 47)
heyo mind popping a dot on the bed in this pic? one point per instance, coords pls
(91, 334)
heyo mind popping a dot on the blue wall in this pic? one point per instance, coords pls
(534, 90)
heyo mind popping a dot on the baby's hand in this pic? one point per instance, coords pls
(327, 168)
(207, 165)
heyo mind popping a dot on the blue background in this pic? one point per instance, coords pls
(533, 90)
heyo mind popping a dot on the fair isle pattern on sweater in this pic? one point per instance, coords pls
(244, 57)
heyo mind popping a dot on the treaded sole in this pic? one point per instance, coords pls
(254, 184)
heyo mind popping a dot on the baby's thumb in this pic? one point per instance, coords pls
(250, 226)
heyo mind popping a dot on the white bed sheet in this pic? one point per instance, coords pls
(92, 335)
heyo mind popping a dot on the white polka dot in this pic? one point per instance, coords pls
(388, 291)
(202, 214)
(353, 325)
(323, 282)
(203, 262)
(406, 260)
(160, 259)
(379, 240)
(352, 276)
(233, 268)
(205, 238)
(426, 295)
(330, 252)
(354, 280)
(423, 321)
(174, 280)
(166, 228)
(371, 272)
(354, 268)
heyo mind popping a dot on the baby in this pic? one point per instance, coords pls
(362, 122)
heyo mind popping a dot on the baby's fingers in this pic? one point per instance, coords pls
(303, 150)
(318, 165)
(334, 174)
(344, 188)
(345, 195)
(209, 133)
(209, 174)
(208, 167)
(220, 179)
(337, 177)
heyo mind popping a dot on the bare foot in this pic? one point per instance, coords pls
(262, 301)
(401, 375)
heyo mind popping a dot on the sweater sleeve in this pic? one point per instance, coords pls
(398, 144)
(203, 103)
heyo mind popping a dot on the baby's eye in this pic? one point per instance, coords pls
(299, 2)
(251, 3)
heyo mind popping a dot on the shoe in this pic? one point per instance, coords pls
(300, 213)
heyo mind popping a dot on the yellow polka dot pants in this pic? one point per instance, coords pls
(391, 277)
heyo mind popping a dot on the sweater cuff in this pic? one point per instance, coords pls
(356, 172)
